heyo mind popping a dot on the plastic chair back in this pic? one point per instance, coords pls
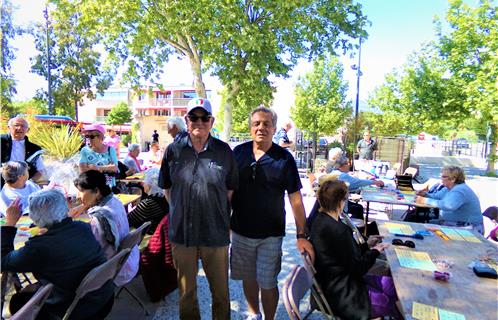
(98, 276)
(31, 309)
(135, 237)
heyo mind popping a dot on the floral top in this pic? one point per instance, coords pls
(88, 156)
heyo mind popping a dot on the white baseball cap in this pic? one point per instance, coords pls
(199, 103)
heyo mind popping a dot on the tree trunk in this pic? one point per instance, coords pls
(492, 153)
(228, 108)
(195, 64)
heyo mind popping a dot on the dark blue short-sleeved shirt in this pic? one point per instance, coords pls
(258, 204)
(199, 183)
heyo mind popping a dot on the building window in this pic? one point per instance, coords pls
(189, 95)
(113, 95)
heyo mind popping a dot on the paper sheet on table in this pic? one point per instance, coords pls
(452, 234)
(424, 311)
(468, 235)
(399, 228)
(448, 315)
(415, 259)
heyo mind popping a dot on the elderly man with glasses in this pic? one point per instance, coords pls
(199, 175)
(16, 146)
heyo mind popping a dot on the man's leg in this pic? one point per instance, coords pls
(268, 265)
(185, 260)
(243, 267)
(251, 292)
(215, 264)
(269, 299)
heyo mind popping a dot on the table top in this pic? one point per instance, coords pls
(409, 198)
(464, 293)
(126, 199)
(136, 178)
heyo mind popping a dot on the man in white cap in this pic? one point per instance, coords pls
(199, 175)
(17, 147)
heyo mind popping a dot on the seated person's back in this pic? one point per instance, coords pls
(63, 255)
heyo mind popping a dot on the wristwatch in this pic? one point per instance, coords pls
(302, 236)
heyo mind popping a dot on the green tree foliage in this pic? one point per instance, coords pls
(320, 105)
(470, 49)
(241, 42)
(7, 55)
(75, 65)
(120, 114)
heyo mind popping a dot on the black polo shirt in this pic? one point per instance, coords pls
(199, 183)
(258, 205)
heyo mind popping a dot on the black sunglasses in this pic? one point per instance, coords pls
(91, 136)
(254, 166)
(194, 118)
(407, 243)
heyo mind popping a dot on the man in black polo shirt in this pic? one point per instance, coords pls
(266, 171)
(199, 174)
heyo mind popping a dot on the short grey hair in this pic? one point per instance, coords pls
(47, 207)
(133, 146)
(151, 178)
(12, 120)
(265, 110)
(177, 122)
(12, 170)
(341, 161)
(335, 153)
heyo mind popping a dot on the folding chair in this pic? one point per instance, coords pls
(404, 182)
(296, 286)
(31, 309)
(97, 277)
(317, 298)
(132, 239)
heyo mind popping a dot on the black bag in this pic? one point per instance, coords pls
(355, 210)
(420, 215)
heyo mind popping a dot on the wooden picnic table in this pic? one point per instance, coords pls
(464, 293)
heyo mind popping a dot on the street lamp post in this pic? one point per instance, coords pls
(49, 75)
(357, 106)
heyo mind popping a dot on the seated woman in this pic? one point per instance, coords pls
(155, 155)
(459, 206)
(342, 264)
(341, 166)
(153, 207)
(95, 194)
(96, 155)
(490, 220)
(17, 185)
(131, 160)
(63, 256)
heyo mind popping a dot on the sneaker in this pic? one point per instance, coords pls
(253, 316)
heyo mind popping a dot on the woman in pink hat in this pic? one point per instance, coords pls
(96, 155)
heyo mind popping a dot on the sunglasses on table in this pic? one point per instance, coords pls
(91, 136)
(407, 243)
(194, 118)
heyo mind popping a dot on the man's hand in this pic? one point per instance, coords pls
(381, 246)
(13, 213)
(379, 183)
(421, 193)
(305, 245)
(374, 240)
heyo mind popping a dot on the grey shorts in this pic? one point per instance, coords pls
(258, 259)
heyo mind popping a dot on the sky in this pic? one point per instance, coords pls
(398, 28)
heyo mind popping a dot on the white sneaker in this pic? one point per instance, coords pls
(253, 316)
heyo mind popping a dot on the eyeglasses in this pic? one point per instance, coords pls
(194, 118)
(407, 243)
(91, 136)
(254, 165)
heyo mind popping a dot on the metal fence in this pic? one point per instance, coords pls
(451, 148)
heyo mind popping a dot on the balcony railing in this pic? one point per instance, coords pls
(163, 102)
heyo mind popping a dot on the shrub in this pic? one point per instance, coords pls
(60, 143)
(125, 139)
